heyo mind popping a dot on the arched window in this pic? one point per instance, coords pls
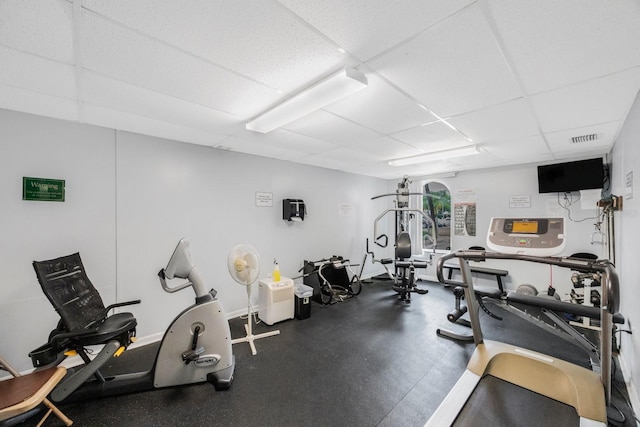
(436, 204)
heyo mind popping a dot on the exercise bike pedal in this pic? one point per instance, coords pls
(192, 355)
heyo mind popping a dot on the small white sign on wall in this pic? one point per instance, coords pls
(264, 199)
(345, 209)
(628, 186)
(519, 201)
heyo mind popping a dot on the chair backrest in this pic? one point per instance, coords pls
(70, 291)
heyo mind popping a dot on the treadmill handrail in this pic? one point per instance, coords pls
(609, 304)
(612, 285)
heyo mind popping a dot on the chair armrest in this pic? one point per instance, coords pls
(122, 304)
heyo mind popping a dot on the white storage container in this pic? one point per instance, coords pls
(275, 300)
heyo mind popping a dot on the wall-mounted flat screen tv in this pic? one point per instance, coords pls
(571, 176)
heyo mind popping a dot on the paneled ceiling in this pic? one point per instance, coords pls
(518, 78)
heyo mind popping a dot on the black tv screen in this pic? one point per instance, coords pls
(571, 176)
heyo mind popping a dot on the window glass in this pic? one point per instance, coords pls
(436, 204)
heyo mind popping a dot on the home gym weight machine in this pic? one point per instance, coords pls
(544, 386)
(404, 276)
(195, 348)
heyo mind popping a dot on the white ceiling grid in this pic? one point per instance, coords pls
(518, 78)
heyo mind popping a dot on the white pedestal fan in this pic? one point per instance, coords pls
(244, 266)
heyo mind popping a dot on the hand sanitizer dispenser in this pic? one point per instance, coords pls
(293, 210)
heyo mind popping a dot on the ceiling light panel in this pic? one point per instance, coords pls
(435, 156)
(555, 43)
(453, 68)
(367, 28)
(310, 99)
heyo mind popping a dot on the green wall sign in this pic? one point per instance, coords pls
(42, 189)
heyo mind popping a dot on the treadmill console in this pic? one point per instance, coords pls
(527, 236)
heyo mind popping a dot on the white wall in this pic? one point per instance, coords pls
(130, 198)
(626, 159)
(84, 156)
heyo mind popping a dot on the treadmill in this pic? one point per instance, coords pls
(509, 385)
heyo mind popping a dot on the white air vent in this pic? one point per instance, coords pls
(584, 138)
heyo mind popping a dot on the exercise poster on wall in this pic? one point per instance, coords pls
(464, 213)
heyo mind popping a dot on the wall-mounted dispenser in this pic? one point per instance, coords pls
(293, 210)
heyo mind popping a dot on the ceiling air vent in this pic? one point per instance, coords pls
(584, 138)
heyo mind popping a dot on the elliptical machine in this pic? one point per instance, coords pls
(405, 276)
(195, 348)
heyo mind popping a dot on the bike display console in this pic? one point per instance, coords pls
(530, 236)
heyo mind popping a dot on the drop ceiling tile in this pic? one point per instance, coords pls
(322, 161)
(503, 121)
(114, 119)
(378, 169)
(27, 101)
(350, 155)
(366, 28)
(44, 28)
(484, 157)
(254, 38)
(425, 169)
(432, 137)
(126, 55)
(453, 68)
(282, 140)
(518, 150)
(382, 108)
(37, 74)
(560, 142)
(117, 95)
(556, 43)
(599, 100)
(257, 148)
(331, 128)
(385, 148)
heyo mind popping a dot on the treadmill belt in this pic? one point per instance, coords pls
(496, 402)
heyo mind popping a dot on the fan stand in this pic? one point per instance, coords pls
(248, 329)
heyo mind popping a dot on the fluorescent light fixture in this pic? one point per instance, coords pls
(468, 150)
(325, 92)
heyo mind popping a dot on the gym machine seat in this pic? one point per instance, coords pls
(84, 321)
